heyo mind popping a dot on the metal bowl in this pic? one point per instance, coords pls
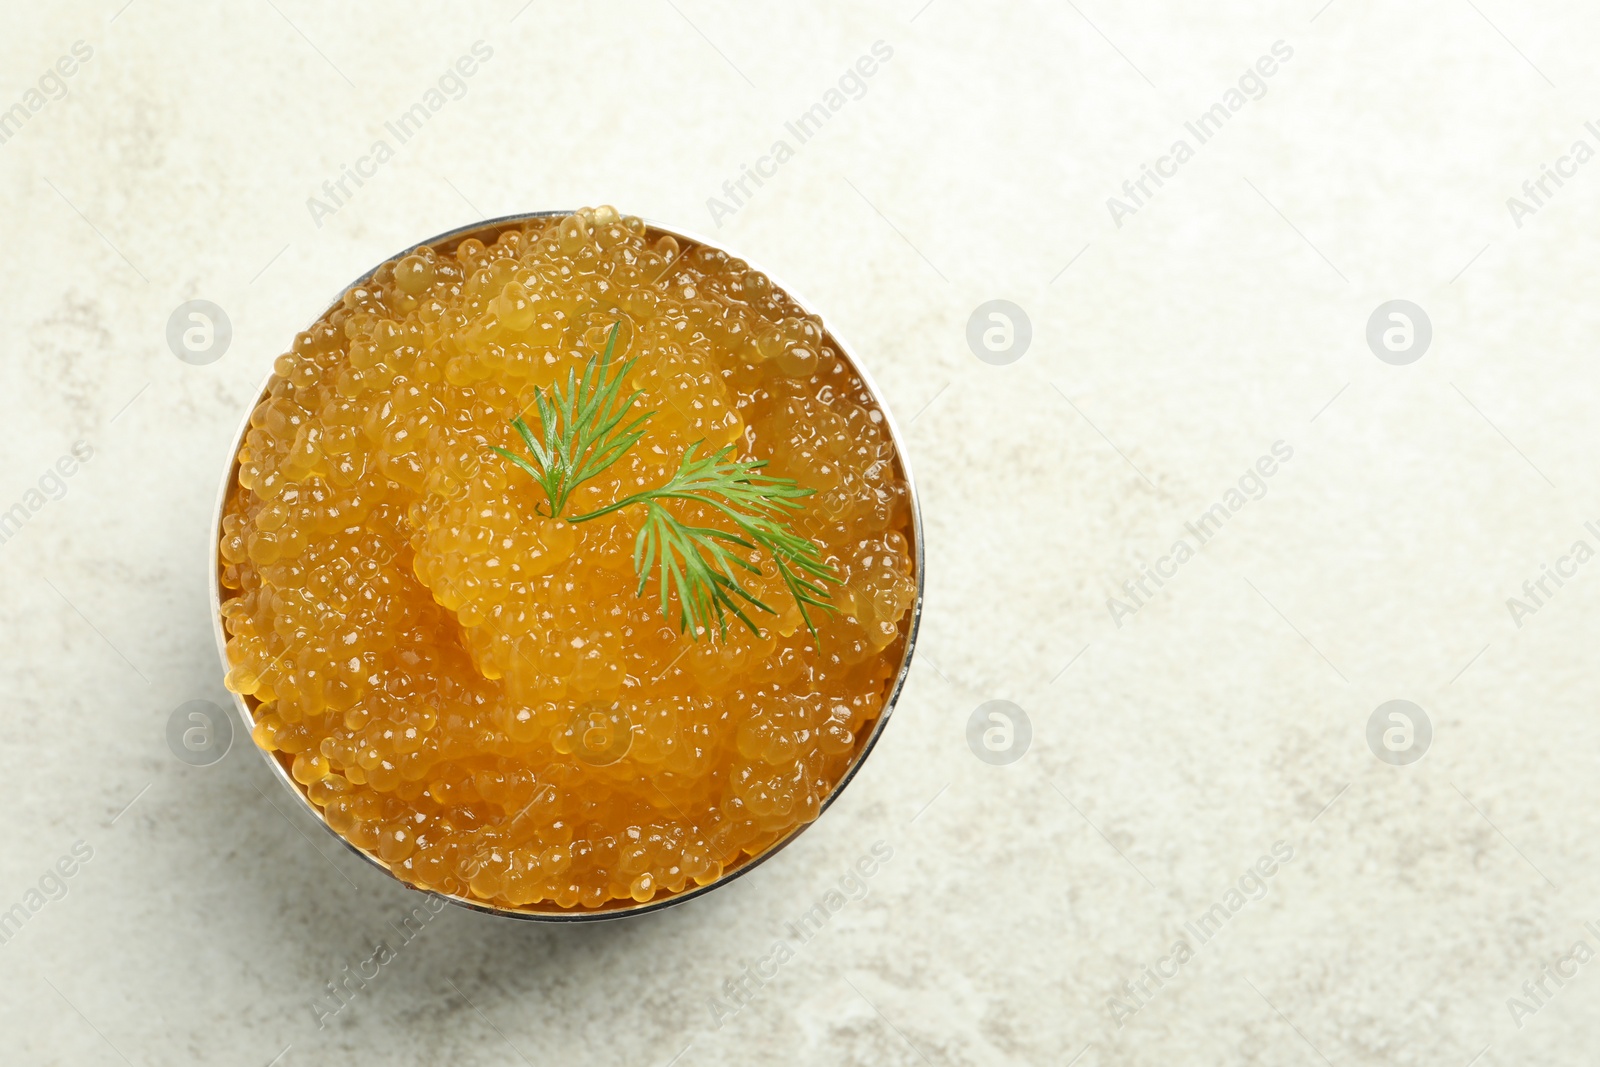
(488, 231)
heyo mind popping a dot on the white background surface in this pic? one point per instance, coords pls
(1228, 714)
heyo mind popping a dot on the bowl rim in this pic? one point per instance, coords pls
(281, 772)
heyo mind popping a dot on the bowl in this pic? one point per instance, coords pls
(279, 762)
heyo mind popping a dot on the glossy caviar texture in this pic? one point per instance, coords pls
(473, 691)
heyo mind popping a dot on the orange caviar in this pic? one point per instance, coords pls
(473, 692)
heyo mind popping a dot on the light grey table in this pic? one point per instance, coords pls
(1030, 911)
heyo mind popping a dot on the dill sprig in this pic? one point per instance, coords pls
(698, 565)
(582, 428)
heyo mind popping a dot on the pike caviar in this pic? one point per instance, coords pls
(474, 692)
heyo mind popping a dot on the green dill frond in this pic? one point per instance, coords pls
(583, 429)
(583, 433)
(695, 563)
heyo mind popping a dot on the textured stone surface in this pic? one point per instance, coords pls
(1229, 712)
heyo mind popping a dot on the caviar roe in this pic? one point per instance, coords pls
(472, 691)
